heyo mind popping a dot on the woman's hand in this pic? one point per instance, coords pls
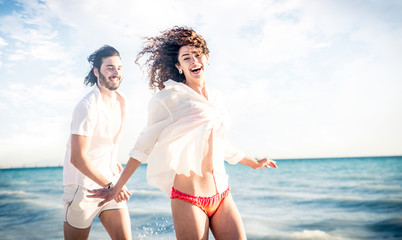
(124, 195)
(258, 164)
(266, 162)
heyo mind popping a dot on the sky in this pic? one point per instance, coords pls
(301, 79)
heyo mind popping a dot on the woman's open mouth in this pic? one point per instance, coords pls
(196, 70)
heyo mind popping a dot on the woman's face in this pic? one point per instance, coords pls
(193, 63)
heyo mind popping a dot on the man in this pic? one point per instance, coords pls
(91, 156)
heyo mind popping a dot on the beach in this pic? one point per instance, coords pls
(324, 199)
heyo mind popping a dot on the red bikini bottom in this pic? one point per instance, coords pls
(207, 204)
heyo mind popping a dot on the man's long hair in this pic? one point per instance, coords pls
(96, 60)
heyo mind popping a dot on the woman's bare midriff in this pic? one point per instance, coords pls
(199, 185)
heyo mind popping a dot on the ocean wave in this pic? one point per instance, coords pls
(343, 200)
(13, 183)
(16, 194)
(392, 226)
(150, 211)
(314, 235)
(55, 203)
(358, 203)
(147, 193)
(391, 186)
(301, 235)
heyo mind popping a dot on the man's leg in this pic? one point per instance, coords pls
(117, 223)
(75, 233)
(74, 213)
(226, 223)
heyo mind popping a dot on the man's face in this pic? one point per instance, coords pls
(110, 74)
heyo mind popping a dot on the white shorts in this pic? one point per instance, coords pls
(80, 211)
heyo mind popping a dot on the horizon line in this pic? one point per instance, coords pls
(281, 159)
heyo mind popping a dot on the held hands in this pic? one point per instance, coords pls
(109, 194)
(266, 162)
(124, 195)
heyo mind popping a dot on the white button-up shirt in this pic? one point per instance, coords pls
(92, 119)
(179, 122)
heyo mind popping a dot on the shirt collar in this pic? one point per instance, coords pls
(99, 99)
(98, 95)
(176, 85)
(181, 87)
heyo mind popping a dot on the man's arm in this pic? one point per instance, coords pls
(110, 194)
(79, 149)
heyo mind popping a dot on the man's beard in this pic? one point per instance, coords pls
(109, 85)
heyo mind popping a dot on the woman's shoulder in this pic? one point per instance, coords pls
(171, 89)
(163, 94)
(165, 97)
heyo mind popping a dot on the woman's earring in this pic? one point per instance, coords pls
(180, 71)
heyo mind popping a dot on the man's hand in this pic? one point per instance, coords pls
(109, 194)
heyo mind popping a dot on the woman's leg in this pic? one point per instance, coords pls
(226, 223)
(190, 222)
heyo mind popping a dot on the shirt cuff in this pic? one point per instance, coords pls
(81, 133)
(236, 157)
(138, 155)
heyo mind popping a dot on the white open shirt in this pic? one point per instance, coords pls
(91, 119)
(179, 121)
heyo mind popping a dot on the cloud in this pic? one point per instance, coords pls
(318, 100)
(301, 79)
(39, 142)
(32, 34)
(3, 42)
(38, 120)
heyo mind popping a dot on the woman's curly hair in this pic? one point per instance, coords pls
(162, 54)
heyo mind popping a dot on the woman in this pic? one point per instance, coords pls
(184, 142)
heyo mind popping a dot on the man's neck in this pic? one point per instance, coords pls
(108, 96)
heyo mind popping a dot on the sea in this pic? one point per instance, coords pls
(317, 199)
